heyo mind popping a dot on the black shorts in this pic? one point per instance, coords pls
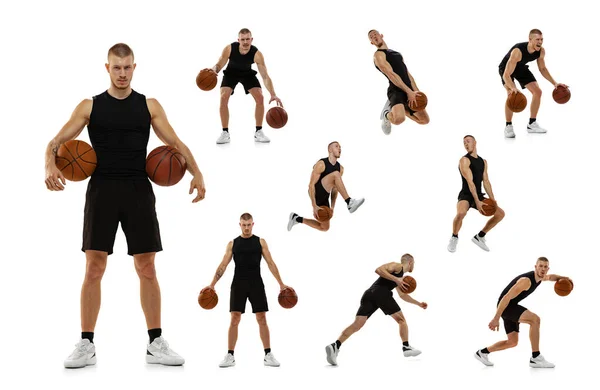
(398, 96)
(321, 195)
(511, 316)
(252, 290)
(129, 201)
(377, 298)
(466, 195)
(522, 74)
(249, 81)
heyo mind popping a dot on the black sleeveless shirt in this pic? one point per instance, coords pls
(240, 64)
(526, 56)
(387, 284)
(477, 167)
(119, 130)
(247, 254)
(396, 60)
(523, 294)
(329, 168)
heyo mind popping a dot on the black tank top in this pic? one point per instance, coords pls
(329, 168)
(397, 62)
(526, 56)
(477, 167)
(240, 64)
(119, 130)
(523, 294)
(387, 284)
(247, 253)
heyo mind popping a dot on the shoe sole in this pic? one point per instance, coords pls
(357, 206)
(230, 365)
(271, 365)
(485, 363)
(222, 143)
(154, 360)
(535, 366)
(479, 244)
(536, 132)
(291, 221)
(262, 142)
(412, 354)
(89, 362)
(330, 355)
(451, 250)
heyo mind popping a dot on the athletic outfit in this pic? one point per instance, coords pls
(521, 72)
(477, 168)
(513, 311)
(395, 94)
(239, 69)
(379, 296)
(119, 189)
(247, 283)
(321, 195)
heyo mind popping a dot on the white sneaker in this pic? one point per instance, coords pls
(480, 242)
(386, 125)
(83, 355)
(332, 351)
(410, 351)
(270, 360)
(159, 353)
(355, 204)
(228, 361)
(452, 244)
(259, 136)
(535, 128)
(223, 138)
(292, 221)
(540, 362)
(509, 131)
(483, 358)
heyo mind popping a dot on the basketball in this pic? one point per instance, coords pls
(277, 117)
(206, 80)
(563, 287)
(208, 299)
(516, 102)
(561, 94)
(421, 102)
(76, 160)
(324, 213)
(288, 298)
(412, 285)
(165, 166)
(489, 207)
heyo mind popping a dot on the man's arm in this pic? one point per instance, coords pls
(272, 267)
(222, 60)
(555, 278)
(386, 270)
(465, 170)
(166, 134)
(334, 191)
(223, 266)
(314, 178)
(262, 69)
(515, 56)
(487, 186)
(79, 119)
(407, 298)
(541, 63)
(521, 285)
(413, 82)
(386, 68)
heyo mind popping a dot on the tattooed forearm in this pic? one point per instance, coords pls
(219, 273)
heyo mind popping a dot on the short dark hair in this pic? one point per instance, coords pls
(120, 50)
(246, 217)
(542, 258)
(331, 143)
(468, 135)
(535, 31)
(370, 31)
(244, 31)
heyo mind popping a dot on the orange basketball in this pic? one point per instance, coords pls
(76, 160)
(324, 213)
(561, 94)
(516, 102)
(206, 80)
(412, 285)
(208, 298)
(563, 287)
(165, 166)
(287, 298)
(421, 102)
(277, 117)
(489, 207)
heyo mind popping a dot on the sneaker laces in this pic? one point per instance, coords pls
(80, 349)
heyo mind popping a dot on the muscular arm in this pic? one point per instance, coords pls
(314, 178)
(334, 191)
(412, 81)
(541, 63)
(272, 267)
(555, 278)
(386, 270)
(487, 186)
(223, 266)
(386, 68)
(521, 285)
(223, 59)
(262, 69)
(515, 56)
(79, 119)
(468, 175)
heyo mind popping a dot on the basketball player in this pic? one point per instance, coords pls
(473, 171)
(247, 251)
(402, 92)
(379, 296)
(118, 122)
(241, 55)
(514, 66)
(325, 182)
(514, 314)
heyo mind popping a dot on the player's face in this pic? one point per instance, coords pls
(536, 40)
(120, 70)
(376, 38)
(245, 40)
(541, 268)
(246, 226)
(411, 265)
(336, 150)
(469, 144)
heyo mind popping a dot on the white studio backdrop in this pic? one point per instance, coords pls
(320, 61)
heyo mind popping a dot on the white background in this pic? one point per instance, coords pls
(320, 61)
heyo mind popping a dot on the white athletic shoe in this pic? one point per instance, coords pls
(83, 355)
(223, 138)
(483, 358)
(540, 362)
(228, 361)
(410, 351)
(452, 244)
(292, 221)
(386, 125)
(509, 131)
(480, 242)
(259, 136)
(270, 360)
(355, 204)
(332, 351)
(158, 352)
(535, 128)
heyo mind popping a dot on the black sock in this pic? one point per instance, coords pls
(347, 200)
(267, 350)
(88, 335)
(226, 129)
(508, 123)
(405, 343)
(258, 128)
(481, 234)
(338, 344)
(535, 354)
(454, 235)
(299, 219)
(230, 351)
(485, 350)
(154, 333)
(531, 120)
